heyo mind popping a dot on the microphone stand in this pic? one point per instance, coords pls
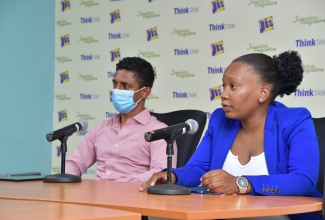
(62, 177)
(169, 188)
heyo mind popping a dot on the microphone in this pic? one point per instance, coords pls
(81, 125)
(190, 126)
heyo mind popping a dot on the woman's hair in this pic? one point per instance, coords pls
(284, 72)
(142, 70)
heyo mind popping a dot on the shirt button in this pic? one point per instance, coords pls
(108, 172)
(116, 145)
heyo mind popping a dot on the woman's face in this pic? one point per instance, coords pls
(241, 91)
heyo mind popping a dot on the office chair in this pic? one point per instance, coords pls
(320, 132)
(187, 143)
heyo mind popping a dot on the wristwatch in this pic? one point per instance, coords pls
(242, 184)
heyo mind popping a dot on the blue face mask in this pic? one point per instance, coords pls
(123, 100)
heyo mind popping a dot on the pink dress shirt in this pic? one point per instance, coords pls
(122, 154)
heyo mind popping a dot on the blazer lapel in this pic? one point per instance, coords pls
(227, 134)
(270, 140)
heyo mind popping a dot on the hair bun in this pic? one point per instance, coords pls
(290, 71)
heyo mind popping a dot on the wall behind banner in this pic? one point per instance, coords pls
(189, 43)
(26, 69)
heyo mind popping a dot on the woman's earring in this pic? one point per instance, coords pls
(261, 100)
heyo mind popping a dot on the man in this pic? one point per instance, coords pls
(118, 145)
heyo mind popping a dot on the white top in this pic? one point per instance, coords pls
(256, 165)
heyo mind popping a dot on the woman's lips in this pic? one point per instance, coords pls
(225, 106)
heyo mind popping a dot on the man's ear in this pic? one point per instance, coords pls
(146, 92)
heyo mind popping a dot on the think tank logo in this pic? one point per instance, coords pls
(86, 20)
(184, 95)
(110, 114)
(309, 92)
(185, 10)
(110, 74)
(88, 96)
(310, 42)
(118, 35)
(221, 26)
(88, 57)
(215, 70)
(185, 51)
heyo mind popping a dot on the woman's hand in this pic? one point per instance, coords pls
(219, 181)
(157, 178)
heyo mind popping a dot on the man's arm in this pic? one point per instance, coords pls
(158, 161)
(82, 157)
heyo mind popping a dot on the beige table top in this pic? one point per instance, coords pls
(125, 196)
(40, 210)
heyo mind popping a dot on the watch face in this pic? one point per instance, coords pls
(242, 182)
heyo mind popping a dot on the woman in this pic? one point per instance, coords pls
(254, 144)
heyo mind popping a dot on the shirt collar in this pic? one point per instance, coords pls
(142, 118)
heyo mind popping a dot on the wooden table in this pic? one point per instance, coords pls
(125, 196)
(38, 210)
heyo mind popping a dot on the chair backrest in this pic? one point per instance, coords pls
(187, 143)
(320, 131)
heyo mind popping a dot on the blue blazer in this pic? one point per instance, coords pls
(290, 147)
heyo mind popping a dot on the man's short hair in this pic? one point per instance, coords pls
(142, 69)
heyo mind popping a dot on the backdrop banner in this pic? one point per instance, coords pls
(188, 42)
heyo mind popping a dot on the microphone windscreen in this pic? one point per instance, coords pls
(194, 126)
(84, 124)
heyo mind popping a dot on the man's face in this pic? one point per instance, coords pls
(125, 80)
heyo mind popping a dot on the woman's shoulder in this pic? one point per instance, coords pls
(284, 111)
(291, 116)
